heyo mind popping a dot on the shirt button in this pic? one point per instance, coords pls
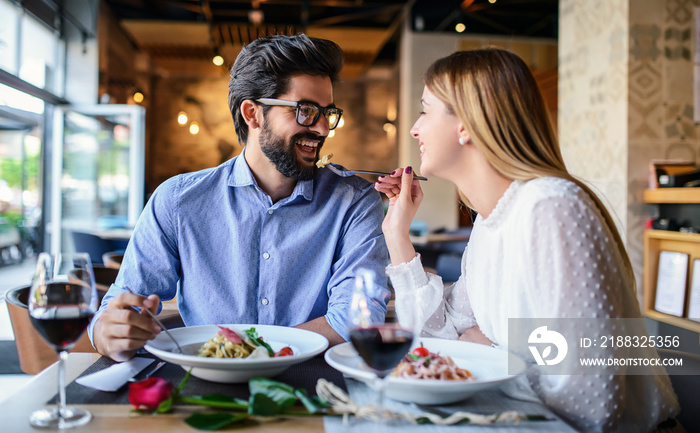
(266, 256)
(265, 301)
(270, 212)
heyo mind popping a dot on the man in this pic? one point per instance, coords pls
(266, 237)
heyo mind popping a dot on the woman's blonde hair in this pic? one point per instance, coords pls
(495, 96)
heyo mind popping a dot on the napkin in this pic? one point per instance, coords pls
(114, 377)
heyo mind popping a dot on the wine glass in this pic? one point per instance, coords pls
(62, 301)
(381, 345)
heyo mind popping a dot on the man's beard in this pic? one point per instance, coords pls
(284, 155)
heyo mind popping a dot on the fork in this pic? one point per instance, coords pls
(153, 316)
(344, 172)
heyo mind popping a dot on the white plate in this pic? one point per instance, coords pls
(305, 344)
(488, 365)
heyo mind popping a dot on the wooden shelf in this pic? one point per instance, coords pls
(680, 322)
(656, 241)
(672, 195)
(673, 236)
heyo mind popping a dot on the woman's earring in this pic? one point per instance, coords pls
(461, 141)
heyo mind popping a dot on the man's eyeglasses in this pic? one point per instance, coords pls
(307, 112)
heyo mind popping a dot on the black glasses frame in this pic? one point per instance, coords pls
(331, 114)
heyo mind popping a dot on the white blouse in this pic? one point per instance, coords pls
(544, 252)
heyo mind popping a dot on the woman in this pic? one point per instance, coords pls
(542, 245)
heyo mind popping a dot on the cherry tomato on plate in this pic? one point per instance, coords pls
(285, 351)
(421, 351)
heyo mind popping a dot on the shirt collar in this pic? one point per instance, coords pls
(240, 172)
(242, 176)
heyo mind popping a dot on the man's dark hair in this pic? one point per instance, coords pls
(264, 67)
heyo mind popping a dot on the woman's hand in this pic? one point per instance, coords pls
(405, 195)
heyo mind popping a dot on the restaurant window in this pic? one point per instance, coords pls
(21, 134)
(30, 48)
(40, 56)
(9, 24)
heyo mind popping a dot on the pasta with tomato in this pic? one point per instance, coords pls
(423, 364)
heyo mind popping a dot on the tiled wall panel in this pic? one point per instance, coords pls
(625, 97)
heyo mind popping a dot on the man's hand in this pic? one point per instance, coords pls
(120, 330)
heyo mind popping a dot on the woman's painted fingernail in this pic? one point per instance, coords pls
(409, 170)
(392, 173)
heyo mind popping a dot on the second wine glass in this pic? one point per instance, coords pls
(380, 344)
(62, 301)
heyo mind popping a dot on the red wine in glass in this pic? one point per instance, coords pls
(382, 347)
(62, 301)
(61, 325)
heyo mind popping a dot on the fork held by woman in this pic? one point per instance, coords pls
(344, 172)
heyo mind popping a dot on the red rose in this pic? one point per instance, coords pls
(149, 393)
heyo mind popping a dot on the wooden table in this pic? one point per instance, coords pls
(117, 418)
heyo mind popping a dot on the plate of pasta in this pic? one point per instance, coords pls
(236, 353)
(436, 371)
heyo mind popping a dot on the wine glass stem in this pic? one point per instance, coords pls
(62, 356)
(380, 384)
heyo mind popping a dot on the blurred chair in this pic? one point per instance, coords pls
(686, 386)
(449, 256)
(449, 267)
(95, 246)
(113, 259)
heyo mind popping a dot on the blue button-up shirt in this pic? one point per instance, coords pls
(239, 258)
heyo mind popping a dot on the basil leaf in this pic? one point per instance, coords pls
(213, 421)
(253, 335)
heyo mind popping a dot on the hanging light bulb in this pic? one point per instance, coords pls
(341, 123)
(460, 27)
(138, 96)
(256, 16)
(194, 128)
(218, 60)
(331, 133)
(182, 118)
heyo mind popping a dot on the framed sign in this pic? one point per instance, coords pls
(694, 301)
(671, 283)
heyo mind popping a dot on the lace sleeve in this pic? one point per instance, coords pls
(423, 302)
